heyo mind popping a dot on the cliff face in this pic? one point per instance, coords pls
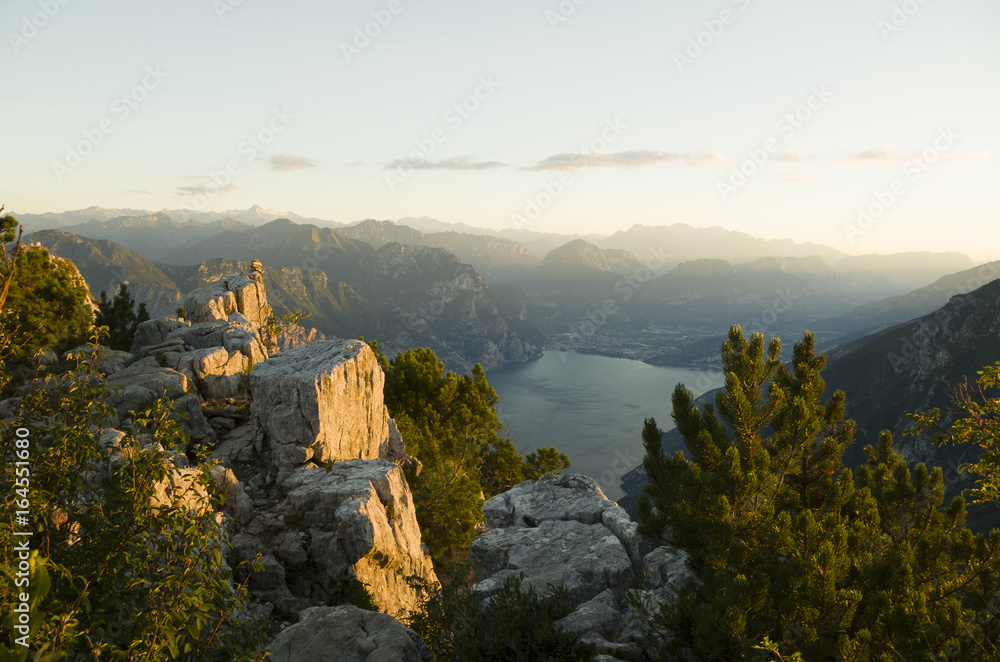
(445, 304)
(316, 497)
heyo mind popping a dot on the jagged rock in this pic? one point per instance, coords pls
(322, 402)
(153, 332)
(586, 559)
(111, 362)
(235, 503)
(347, 634)
(234, 336)
(236, 446)
(193, 420)
(218, 372)
(562, 530)
(237, 293)
(360, 521)
(145, 381)
(600, 614)
(667, 567)
(559, 498)
(267, 584)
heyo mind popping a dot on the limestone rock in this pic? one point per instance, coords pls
(667, 567)
(559, 498)
(144, 382)
(237, 293)
(236, 446)
(234, 336)
(187, 411)
(322, 402)
(111, 362)
(217, 372)
(359, 520)
(347, 634)
(561, 530)
(586, 559)
(153, 332)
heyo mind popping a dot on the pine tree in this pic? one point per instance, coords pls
(795, 553)
(121, 318)
(46, 305)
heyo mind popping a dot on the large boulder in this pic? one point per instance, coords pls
(355, 521)
(153, 332)
(568, 497)
(322, 403)
(347, 634)
(236, 293)
(217, 372)
(585, 559)
(236, 335)
(143, 382)
(563, 531)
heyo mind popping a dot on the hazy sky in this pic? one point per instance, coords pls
(581, 116)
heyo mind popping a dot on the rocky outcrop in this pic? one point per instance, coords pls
(109, 361)
(355, 522)
(237, 293)
(321, 403)
(347, 634)
(563, 531)
(153, 332)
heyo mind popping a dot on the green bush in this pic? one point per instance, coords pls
(514, 625)
(128, 580)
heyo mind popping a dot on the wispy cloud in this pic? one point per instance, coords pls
(203, 189)
(285, 162)
(455, 163)
(889, 156)
(139, 191)
(628, 159)
(54, 111)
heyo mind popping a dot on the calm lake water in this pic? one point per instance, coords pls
(591, 408)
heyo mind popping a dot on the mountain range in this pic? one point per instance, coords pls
(659, 294)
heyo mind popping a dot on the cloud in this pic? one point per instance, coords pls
(203, 189)
(139, 191)
(888, 156)
(628, 159)
(455, 163)
(285, 162)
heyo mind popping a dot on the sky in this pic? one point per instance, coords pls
(867, 125)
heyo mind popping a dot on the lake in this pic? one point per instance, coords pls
(591, 408)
